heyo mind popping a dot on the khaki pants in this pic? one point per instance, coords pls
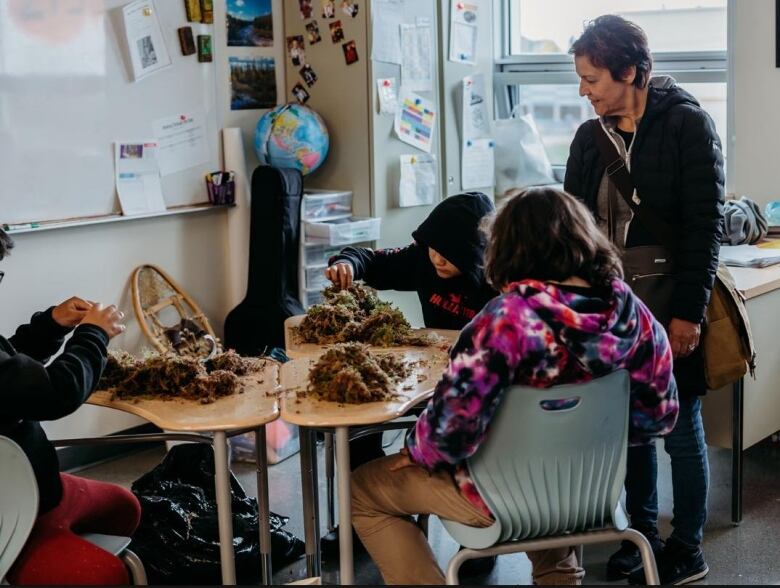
(383, 502)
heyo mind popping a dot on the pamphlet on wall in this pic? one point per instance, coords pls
(476, 121)
(386, 19)
(417, 56)
(415, 120)
(464, 21)
(145, 41)
(138, 178)
(182, 140)
(478, 164)
(418, 180)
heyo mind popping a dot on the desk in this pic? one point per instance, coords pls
(311, 414)
(740, 416)
(228, 416)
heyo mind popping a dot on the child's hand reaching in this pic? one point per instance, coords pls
(340, 274)
(108, 318)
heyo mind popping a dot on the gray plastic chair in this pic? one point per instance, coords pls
(553, 478)
(19, 508)
(18, 503)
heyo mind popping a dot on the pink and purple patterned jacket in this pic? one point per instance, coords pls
(541, 334)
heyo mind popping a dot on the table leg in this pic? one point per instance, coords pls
(737, 415)
(329, 480)
(311, 519)
(264, 510)
(224, 508)
(346, 563)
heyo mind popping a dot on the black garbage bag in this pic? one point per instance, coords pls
(178, 538)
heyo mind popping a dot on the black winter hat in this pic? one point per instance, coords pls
(453, 230)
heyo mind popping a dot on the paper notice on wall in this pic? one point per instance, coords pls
(476, 121)
(464, 26)
(418, 180)
(138, 177)
(387, 89)
(417, 56)
(478, 164)
(183, 142)
(415, 120)
(145, 41)
(386, 20)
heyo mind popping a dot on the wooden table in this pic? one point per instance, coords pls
(311, 414)
(214, 423)
(747, 412)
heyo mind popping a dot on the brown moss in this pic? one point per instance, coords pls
(350, 373)
(168, 376)
(357, 315)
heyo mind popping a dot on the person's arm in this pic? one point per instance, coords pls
(654, 402)
(701, 213)
(482, 365)
(41, 338)
(31, 391)
(383, 269)
(572, 182)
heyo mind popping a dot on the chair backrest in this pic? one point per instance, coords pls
(549, 472)
(18, 502)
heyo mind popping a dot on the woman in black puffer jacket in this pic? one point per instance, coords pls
(672, 151)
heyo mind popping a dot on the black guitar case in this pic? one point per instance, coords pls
(256, 325)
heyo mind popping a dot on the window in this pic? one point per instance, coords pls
(688, 39)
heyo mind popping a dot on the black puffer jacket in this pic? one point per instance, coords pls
(677, 169)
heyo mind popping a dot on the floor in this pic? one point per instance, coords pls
(747, 554)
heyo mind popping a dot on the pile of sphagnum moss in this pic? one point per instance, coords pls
(350, 373)
(357, 315)
(169, 376)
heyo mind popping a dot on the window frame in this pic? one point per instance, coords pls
(686, 67)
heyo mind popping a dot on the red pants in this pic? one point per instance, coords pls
(55, 554)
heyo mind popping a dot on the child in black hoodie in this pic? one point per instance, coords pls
(444, 266)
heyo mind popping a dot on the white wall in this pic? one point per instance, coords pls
(755, 94)
(95, 262)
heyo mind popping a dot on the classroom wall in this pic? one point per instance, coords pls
(95, 262)
(756, 86)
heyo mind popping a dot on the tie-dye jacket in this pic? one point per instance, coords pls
(540, 334)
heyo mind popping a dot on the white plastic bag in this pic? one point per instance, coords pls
(521, 160)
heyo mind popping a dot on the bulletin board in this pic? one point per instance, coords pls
(67, 95)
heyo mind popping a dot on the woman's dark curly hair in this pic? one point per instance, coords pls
(614, 43)
(548, 235)
(6, 244)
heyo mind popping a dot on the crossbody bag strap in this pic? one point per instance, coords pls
(617, 172)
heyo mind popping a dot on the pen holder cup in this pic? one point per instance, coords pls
(224, 193)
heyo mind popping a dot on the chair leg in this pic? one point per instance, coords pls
(136, 568)
(330, 476)
(648, 558)
(580, 551)
(453, 568)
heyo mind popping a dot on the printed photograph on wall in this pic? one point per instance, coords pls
(328, 8)
(308, 75)
(349, 8)
(252, 83)
(296, 49)
(305, 8)
(350, 52)
(250, 23)
(336, 32)
(300, 93)
(313, 32)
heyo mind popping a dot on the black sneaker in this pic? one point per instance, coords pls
(678, 564)
(476, 568)
(628, 560)
(329, 545)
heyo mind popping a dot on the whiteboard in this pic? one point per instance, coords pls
(66, 96)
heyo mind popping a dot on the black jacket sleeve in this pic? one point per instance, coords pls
(701, 200)
(383, 269)
(30, 391)
(41, 338)
(573, 180)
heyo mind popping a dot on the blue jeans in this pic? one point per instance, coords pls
(690, 477)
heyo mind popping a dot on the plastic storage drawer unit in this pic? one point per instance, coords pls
(343, 232)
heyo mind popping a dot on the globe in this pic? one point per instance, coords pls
(292, 136)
